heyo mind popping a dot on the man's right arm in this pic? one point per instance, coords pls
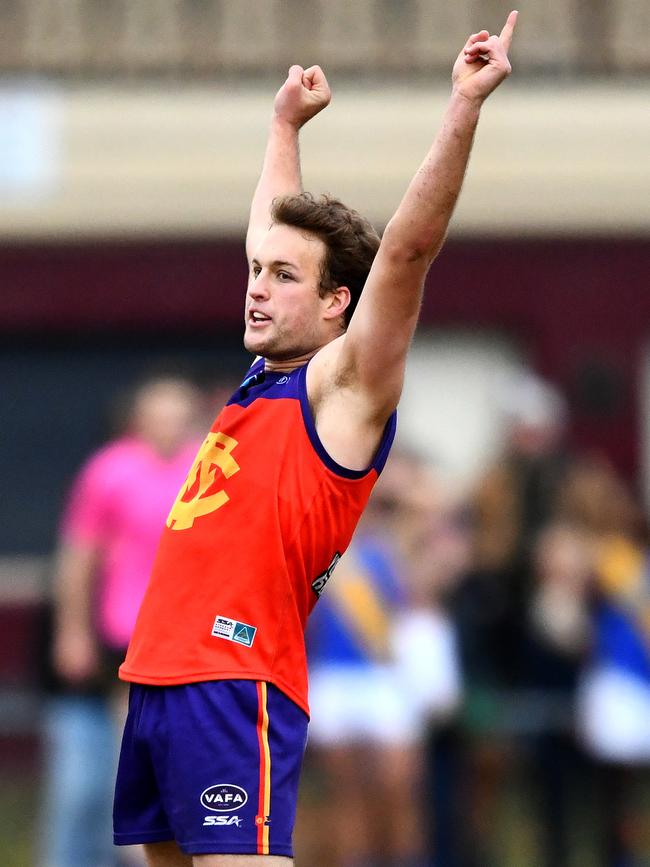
(75, 649)
(303, 95)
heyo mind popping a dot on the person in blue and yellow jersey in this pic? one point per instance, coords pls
(593, 605)
(383, 666)
(365, 729)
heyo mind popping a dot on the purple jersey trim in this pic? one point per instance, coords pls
(259, 383)
(381, 455)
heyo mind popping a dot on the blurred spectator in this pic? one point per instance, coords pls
(519, 685)
(432, 542)
(432, 535)
(383, 661)
(515, 498)
(592, 603)
(563, 561)
(560, 627)
(117, 506)
(614, 694)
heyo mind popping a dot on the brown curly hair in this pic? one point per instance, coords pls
(351, 242)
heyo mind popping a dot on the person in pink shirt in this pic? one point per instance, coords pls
(109, 536)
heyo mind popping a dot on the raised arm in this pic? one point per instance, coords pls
(385, 319)
(303, 95)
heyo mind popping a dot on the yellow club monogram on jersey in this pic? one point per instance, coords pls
(195, 498)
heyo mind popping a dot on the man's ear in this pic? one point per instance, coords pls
(336, 302)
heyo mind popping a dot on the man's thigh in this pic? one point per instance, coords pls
(169, 855)
(241, 861)
(166, 854)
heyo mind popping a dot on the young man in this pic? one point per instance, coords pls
(218, 712)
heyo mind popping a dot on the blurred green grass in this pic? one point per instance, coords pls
(19, 807)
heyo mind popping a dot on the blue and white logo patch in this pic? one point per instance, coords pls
(234, 630)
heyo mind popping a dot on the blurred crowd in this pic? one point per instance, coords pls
(475, 640)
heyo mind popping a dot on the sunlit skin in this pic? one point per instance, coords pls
(286, 319)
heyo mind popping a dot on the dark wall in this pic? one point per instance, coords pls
(61, 398)
(78, 322)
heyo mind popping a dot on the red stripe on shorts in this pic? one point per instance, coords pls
(264, 802)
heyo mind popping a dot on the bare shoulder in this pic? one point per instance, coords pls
(346, 419)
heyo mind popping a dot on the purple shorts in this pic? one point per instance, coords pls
(213, 765)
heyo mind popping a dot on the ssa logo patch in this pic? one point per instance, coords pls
(224, 798)
(222, 820)
(233, 630)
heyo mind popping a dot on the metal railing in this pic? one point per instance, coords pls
(203, 38)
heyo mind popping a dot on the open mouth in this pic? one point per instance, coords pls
(256, 318)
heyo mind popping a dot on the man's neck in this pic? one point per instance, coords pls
(286, 365)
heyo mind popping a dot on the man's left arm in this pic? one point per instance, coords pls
(372, 355)
(304, 94)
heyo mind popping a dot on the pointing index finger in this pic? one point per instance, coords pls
(508, 29)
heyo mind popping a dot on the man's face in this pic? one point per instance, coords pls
(284, 312)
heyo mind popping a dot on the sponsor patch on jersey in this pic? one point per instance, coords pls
(234, 630)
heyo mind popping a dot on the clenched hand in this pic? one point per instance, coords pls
(303, 95)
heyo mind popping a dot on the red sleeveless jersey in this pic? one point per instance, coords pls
(249, 544)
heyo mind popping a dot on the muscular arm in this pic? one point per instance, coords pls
(385, 319)
(303, 95)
